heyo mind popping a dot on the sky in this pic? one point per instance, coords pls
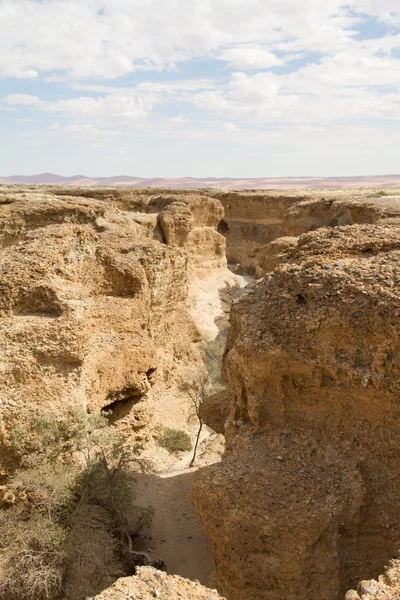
(220, 88)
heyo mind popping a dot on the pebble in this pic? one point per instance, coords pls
(366, 588)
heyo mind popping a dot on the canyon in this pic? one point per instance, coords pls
(114, 298)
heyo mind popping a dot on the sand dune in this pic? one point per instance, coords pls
(210, 182)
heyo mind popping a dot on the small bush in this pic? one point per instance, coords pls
(69, 528)
(174, 440)
(35, 565)
(93, 559)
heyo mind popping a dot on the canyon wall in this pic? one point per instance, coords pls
(96, 301)
(253, 218)
(255, 222)
(305, 502)
(108, 297)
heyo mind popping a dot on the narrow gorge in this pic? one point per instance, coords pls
(120, 301)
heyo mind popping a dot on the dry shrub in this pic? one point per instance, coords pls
(35, 565)
(92, 553)
(67, 532)
(174, 440)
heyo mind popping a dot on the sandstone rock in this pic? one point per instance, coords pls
(94, 304)
(312, 370)
(332, 211)
(215, 410)
(273, 254)
(206, 211)
(177, 222)
(206, 251)
(148, 583)
(367, 589)
(386, 588)
(255, 219)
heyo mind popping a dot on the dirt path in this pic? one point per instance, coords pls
(176, 535)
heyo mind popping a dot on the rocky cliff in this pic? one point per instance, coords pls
(97, 304)
(108, 297)
(255, 219)
(305, 502)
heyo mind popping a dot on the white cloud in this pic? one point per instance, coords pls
(329, 79)
(344, 86)
(385, 10)
(110, 38)
(248, 58)
(23, 100)
(155, 87)
(178, 119)
(83, 130)
(229, 126)
(110, 107)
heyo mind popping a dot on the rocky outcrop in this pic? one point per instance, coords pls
(206, 211)
(305, 502)
(251, 221)
(333, 210)
(274, 254)
(106, 300)
(255, 219)
(387, 587)
(192, 221)
(176, 222)
(214, 411)
(95, 305)
(148, 583)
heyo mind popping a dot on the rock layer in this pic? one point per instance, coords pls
(94, 301)
(305, 503)
(255, 219)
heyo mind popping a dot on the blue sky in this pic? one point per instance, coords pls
(170, 88)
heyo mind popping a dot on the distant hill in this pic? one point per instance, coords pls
(209, 182)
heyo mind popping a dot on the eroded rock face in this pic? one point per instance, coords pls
(251, 221)
(274, 254)
(332, 210)
(148, 583)
(192, 221)
(305, 503)
(255, 219)
(94, 304)
(176, 221)
(206, 211)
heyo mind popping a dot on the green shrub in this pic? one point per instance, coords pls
(68, 530)
(174, 440)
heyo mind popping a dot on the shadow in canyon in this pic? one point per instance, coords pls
(175, 535)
